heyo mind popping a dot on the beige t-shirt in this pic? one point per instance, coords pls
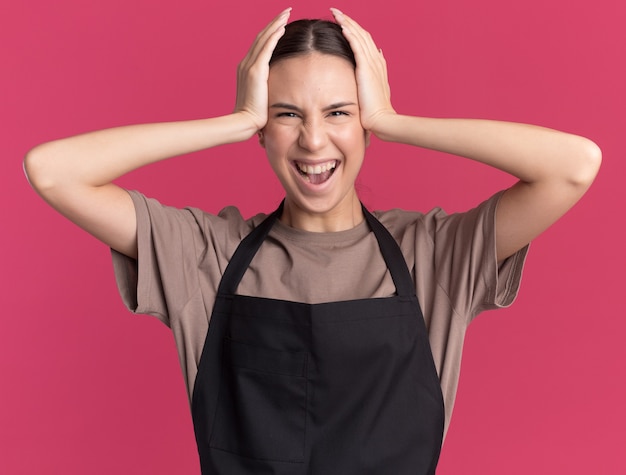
(452, 259)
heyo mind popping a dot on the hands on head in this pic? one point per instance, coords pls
(371, 72)
(253, 71)
(75, 174)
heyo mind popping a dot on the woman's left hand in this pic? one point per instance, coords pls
(371, 74)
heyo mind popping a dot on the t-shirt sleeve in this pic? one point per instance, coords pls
(163, 278)
(466, 263)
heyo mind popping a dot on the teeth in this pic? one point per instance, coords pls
(316, 169)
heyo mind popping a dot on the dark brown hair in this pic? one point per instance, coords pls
(307, 36)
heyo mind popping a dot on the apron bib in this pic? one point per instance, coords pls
(338, 388)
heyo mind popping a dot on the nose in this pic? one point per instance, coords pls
(313, 135)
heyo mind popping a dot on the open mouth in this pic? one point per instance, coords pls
(316, 174)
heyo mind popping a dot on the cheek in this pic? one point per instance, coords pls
(354, 137)
(272, 147)
(276, 146)
(277, 140)
(275, 136)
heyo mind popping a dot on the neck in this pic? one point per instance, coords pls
(341, 218)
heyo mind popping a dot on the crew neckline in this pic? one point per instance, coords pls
(353, 234)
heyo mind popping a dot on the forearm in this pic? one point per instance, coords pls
(530, 153)
(97, 158)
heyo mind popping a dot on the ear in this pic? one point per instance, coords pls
(261, 138)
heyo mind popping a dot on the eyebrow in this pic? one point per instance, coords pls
(336, 105)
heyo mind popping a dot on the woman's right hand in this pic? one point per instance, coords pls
(253, 72)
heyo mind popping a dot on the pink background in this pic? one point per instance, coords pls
(87, 388)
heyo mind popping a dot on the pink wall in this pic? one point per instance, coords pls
(85, 387)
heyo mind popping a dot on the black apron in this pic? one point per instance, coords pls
(338, 388)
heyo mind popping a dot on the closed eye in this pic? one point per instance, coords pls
(286, 114)
(338, 113)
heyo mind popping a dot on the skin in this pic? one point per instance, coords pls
(297, 122)
(314, 120)
(554, 168)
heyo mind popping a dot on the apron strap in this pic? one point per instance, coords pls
(249, 246)
(244, 253)
(392, 254)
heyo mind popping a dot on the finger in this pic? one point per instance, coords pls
(277, 22)
(366, 53)
(385, 73)
(273, 29)
(353, 27)
(369, 58)
(276, 25)
(360, 39)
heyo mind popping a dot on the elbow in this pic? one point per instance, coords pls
(38, 170)
(32, 166)
(587, 164)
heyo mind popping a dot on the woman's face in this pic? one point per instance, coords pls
(313, 138)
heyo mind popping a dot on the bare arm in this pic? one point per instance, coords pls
(74, 175)
(554, 168)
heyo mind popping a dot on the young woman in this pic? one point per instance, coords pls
(319, 339)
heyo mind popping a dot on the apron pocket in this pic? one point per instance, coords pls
(261, 409)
